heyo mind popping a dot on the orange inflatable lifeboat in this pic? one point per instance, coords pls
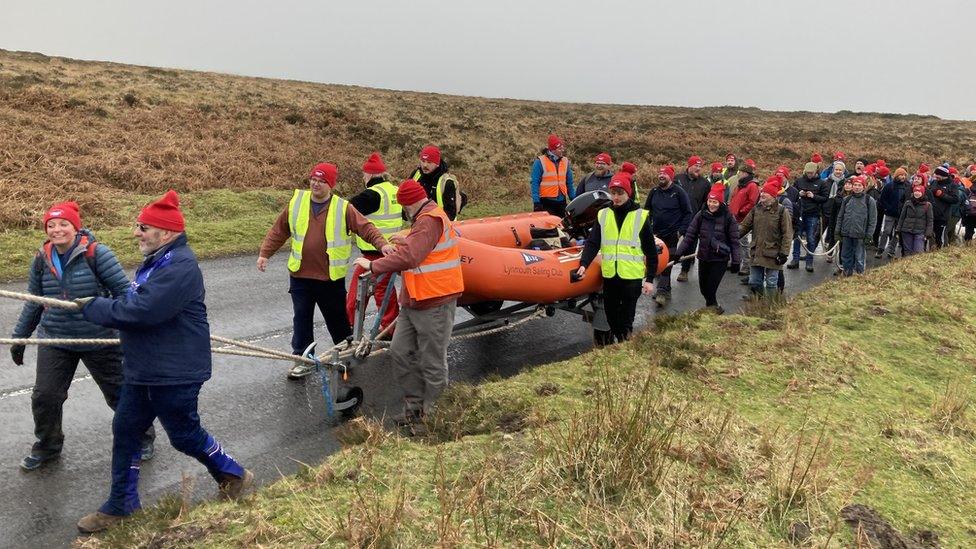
(528, 257)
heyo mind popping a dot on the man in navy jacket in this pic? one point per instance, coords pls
(165, 337)
(670, 215)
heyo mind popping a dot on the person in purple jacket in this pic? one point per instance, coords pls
(717, 235)
(165, 337)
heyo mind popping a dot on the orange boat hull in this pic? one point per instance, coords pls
(497, 268)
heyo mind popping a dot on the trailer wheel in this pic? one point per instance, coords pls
(348, 401)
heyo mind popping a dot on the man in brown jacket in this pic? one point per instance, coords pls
(430, 260)
(772, 228)
(319, 224)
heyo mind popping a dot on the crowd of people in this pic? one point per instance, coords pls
(730, 220)
(733, 219)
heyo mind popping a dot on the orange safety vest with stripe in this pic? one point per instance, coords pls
(439, 274)
(553, 179)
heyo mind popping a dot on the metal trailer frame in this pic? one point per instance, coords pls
(344, 397)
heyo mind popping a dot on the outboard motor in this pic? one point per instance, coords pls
(581, 212)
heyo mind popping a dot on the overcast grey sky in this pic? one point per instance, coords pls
(895, 56)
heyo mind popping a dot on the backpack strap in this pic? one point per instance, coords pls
(93, 265)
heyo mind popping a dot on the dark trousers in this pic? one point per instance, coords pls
(55, 369)
(664, 279)
(710, 275)
(969, 223)
(939, 228)
(620, 300)
(176, 408)
(330, 296)
(555, 206)
(876, 236)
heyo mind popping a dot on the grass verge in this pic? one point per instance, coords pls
(842, 417)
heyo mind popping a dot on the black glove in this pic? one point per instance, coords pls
(17, 354)
(733, 268)
(537, 207)
(781, 259)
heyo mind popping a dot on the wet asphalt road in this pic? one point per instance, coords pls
(268, 423)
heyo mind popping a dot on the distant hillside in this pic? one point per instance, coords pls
(98, 131)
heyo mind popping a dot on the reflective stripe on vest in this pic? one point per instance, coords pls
(439, 274)
(553, 180)
(387, 218)
(338, 245)
(621, 247)
(439, 189)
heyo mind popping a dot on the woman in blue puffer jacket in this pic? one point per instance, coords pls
(69, 265)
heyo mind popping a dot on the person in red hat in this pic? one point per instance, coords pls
(916, 221)
(715, 173)
(378, 203)
(856, 218)
(165, 335)
(627, 268)
(670, 215)
(441, 186)
(771, 242)
(696, 186)
(718, 234)
(320, 224)
(875, 183)
(70, 264)
(956, 210)
(630, 169)
(430, 260)
(599, 178)
(744, 196)
(551, 179)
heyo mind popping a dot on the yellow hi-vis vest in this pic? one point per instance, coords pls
(620, 246)
(338, 245)
(439, 190)
(387, 218)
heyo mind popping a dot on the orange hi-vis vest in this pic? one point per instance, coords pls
(553, 177)
(439, 274)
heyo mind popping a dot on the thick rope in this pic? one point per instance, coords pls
(244, 345)
(80, 342)
(539, 313)
(803, 246)
(47, 301)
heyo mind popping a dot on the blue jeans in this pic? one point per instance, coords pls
(809, 226)
(176, 408)
(763, 280)
(852, 255)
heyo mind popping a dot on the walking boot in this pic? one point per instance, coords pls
(793, 265)
(33, 463)
(300, 370)
(232, 488)
(682, 276)
(97, 522)
(411, 423)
